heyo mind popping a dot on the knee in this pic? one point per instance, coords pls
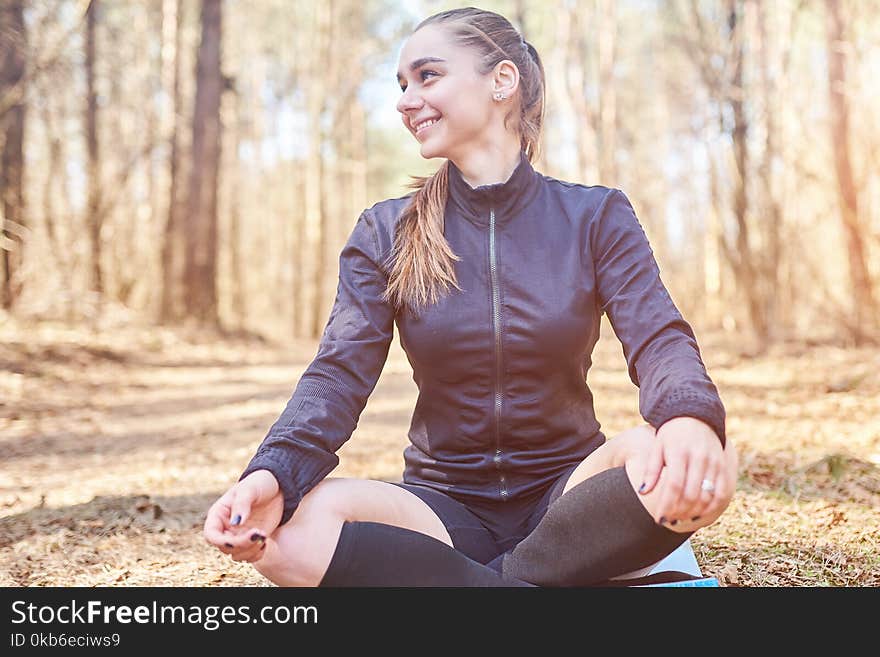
(634, 454)
(634, 445)
(299, 551)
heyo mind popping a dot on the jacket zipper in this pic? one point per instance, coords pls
(496, 325)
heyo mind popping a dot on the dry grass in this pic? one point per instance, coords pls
(115, 443)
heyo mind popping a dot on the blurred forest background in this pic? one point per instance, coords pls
(205, 161)
(178, 178)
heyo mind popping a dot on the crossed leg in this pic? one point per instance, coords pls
(631, 449)
(600, 527)
(299, 552)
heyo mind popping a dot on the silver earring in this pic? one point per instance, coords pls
(500, 96)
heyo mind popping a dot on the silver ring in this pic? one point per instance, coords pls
(708, 486)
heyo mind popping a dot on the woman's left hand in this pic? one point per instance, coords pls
(695, 481)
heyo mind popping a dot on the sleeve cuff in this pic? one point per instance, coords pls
(691, 404)
(291, 494)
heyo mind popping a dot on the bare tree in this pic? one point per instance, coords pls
(239, 298)
(745, 257)
(12, 130)
(606, 35)
(771, 263)
(864, 303)
(316, 215)
(720, 60)
(572, 34)
(172, 242)
(94, 215)
(201, 218)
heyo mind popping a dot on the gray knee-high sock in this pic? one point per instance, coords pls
(376, 554)
(597, 530)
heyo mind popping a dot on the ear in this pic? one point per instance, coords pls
(505, 78)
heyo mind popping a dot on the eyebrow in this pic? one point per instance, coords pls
(418, 63)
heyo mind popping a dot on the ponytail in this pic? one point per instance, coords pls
(423, 262)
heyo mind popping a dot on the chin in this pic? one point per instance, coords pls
(429, 154)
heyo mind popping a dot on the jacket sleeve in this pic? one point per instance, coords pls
(300, 448)
(660, 348)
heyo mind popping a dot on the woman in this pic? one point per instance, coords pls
(496, 277)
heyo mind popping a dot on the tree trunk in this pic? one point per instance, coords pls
(864, 304)
(239, 298)
(12, 122)
(358, 146)
(172, 252)
(717, 310)
(201, 219)
(94, 215)
(315, 218)
(747, 271)
(54, 176)
(606, 35)
(773, 254)
(574, 57)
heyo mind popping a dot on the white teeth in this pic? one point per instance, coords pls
(424, 124)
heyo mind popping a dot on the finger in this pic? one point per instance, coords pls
(257, 551)
(245, 498)
(675, 476)
(704, 504)
(724, 486)
(244, 540)
(252, 550)
(686, 508)
(217, 521)
(652, 468)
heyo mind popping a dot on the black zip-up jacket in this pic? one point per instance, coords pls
(501, 366)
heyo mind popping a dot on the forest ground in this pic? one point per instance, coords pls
(115, 442)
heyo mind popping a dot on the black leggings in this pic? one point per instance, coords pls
(484, 530)
(597, 531)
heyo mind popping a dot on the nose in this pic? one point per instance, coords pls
(409, 101)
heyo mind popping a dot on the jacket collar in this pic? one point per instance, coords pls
(505, 198)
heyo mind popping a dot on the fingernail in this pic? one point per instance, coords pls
(229, 545)
(236, 519)
(695, 518)
(643, 487)
(662, 519)
(257, 537)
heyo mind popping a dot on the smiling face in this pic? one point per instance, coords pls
(446, 103)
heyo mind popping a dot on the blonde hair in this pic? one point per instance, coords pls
(423, 267)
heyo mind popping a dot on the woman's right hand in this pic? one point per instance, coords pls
(241, 521)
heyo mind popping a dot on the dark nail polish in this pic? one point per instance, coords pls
(695, 518)
(643, 487)
(662, 519)
(229, 545)
(236, 519)
(257, 537)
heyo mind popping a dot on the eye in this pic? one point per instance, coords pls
(422, 75)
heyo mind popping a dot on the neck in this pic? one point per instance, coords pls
(489, 165)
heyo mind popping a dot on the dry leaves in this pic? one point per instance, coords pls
(116, 443)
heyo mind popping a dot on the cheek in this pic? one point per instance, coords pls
(462, 109)
(472, 114)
